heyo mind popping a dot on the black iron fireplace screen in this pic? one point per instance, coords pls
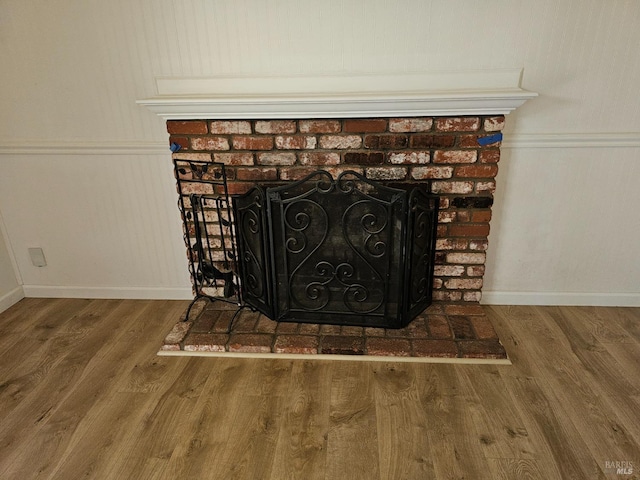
(347, 251)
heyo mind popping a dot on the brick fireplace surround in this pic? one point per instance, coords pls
(458, 154)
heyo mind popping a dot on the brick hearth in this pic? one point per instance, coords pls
(442, 331)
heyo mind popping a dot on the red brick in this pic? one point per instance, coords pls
(196, 187)
(432, 141)
(385, 142)
(351, 330)
(494, 124)
(423, 124)
(296, 344)
(473, 230)
(238, 188)
(470, 296)
(455, 156)
(178, 333)
(478, 245)
(451, 187)
(252, 143)
(364, 158)
(309, 328)
(466, 258)
(463, 310)
(365, 126)
(431, 172)
(435, 348)
(464, 216)
(330, 329)
(287, 327)
(438, 326)
(276, 126)
(209, 143)
(434, 309)
(265, 325)
(482, 187)
(319, 126)
(386, 173)
(257, 174)
(482, 349)
(479, 216)
(489, 156)
(279, 158)
(457, 124)
(201, 157)
(475, 271)
(340, 141)
(463, 283)
(245, 322)
(187, 127)
(230, 126)
(339, 345)
(392, 347)
(468, 141)
(449, 270)
(295, 142)
(442, 231)
(451, 244)
(417, 328)
(447, 216)
(461, 326)
(250, 343)
(234, 158)
(296, 173)
(483, 328)
(182, 141)
(374, 332)
(319, 158)
(409, 157)
(206, 342)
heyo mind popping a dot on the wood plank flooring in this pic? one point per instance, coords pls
(83, 396)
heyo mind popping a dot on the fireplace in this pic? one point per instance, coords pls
(345, 251)
(440, 130)
(454, 157)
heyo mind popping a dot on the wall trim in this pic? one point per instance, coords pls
(9, 299)
(511, 140)
(571, 140)
(184, 293)
(134, 147)
(128, 293)
(561, 298)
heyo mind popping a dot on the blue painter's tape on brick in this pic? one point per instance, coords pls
(482, 141)
(175, 147)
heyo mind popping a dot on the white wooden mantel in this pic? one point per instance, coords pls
(494, 92)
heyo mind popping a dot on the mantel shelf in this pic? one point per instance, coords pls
(434, 94)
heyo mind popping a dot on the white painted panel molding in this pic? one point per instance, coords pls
(11, 298)
(136, 293)
(437, 93)
(561, 298)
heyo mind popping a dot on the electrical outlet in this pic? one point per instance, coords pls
(37, 257)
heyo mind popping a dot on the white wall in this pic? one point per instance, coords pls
(10, 290)
(565, 227)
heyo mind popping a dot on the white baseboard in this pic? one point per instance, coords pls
(562, 298)
(142, 293)
(11, 298)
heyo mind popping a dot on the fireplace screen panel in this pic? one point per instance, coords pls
(341, 251)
